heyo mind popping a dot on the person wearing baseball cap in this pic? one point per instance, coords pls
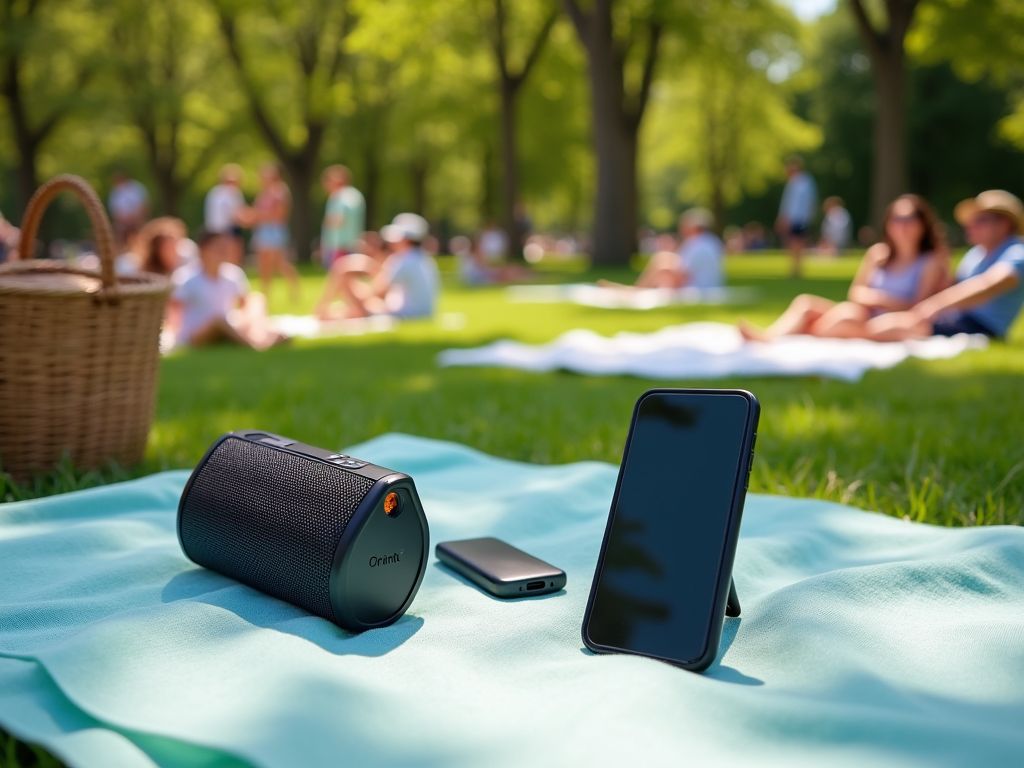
(989, 289)
(407, 283)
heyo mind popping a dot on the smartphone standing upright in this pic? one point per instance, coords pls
(664, 574)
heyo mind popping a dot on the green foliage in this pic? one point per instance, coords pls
(174, 89)
(721, 127)
(955, 143)
(979, 40)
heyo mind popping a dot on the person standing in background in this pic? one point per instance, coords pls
(796, 213)
(836, 228)
(344, 215)
(129, 206)
(224, 209)
(493, 242)
(270, 235)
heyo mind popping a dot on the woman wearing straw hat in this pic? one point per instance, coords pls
(989, 291)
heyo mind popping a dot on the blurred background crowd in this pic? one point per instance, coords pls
(532, 128)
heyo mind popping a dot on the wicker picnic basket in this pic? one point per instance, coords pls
(79, 351)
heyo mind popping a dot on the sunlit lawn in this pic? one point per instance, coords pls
(938, 441)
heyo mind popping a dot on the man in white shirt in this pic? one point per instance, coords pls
(224, 209)
(796, 212)
(701, 252)
(211, 301)
(698, 262)
(406, 285)
(129, 206)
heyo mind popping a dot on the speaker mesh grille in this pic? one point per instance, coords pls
(270, 519)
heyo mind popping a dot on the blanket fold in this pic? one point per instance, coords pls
(706, 351)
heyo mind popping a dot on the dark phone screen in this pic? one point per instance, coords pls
(656, 591)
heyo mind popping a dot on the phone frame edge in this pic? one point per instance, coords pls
(727, 561)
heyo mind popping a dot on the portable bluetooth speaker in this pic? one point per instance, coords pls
(343, 538)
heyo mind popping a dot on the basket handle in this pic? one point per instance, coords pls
(67, 182)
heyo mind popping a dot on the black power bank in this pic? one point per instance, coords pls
(499, 568)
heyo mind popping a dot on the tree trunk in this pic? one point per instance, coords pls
(510, 171)
(418, 171)
(487, 182)
(614, 139)
(25, 140)
(888, 69)
(28, 176)
(613, 240)
(300, 179)
(630, 192)
(169, 189)
(371, 181)
(889, 166)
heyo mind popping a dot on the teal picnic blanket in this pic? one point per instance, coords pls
(864, 639)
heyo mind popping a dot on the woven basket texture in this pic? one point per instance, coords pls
(79, 352)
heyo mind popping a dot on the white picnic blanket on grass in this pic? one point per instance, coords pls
(312, 327)
(589, 295)
(706, 351)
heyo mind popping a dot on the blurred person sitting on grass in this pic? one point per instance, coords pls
(364, 262)
(909, 265)
(697, 264)
(989, 289)
(212, 303)
(475, 270)
(406, 285)
(161, 246)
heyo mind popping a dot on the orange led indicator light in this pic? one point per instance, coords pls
(391, 503)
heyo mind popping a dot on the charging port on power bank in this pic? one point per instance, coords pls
(534, 585)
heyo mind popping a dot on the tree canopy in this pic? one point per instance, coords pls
(603, 114)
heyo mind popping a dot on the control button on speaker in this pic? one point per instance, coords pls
(277, 442)
(348, 463)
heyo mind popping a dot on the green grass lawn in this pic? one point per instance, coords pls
(938, 441)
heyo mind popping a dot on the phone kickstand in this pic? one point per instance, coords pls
(732, 605)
